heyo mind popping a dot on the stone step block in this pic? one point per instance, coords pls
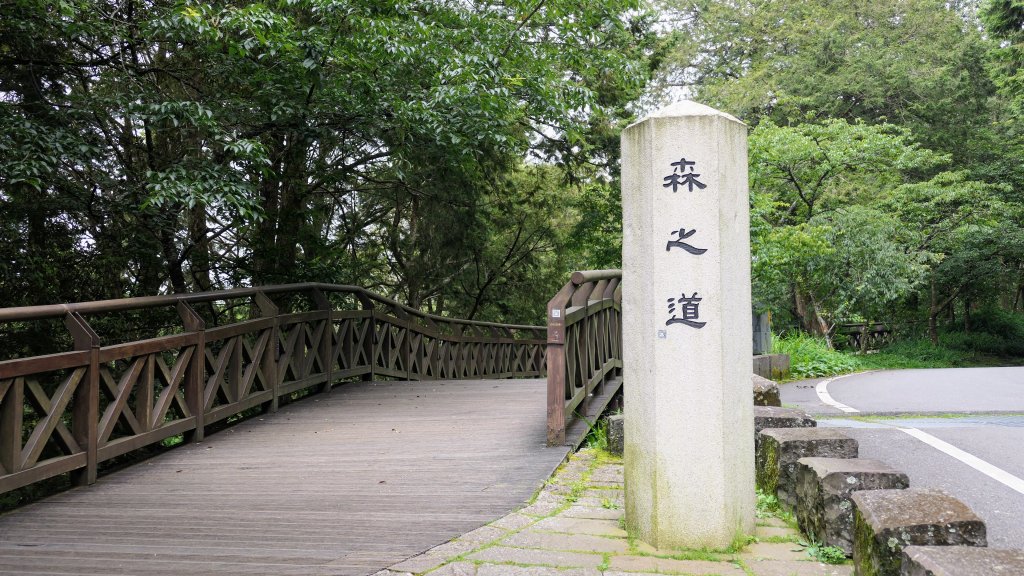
(766, 392)
(775, 417)
(616, 434)
(772, 365)
(780, 448)
(887, 521)
(961, 561)
(824, 510)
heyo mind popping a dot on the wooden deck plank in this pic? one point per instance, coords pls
(343, 483)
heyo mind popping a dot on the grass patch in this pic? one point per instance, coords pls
(824, 554)
(916, 353)
(597, 437)
(810, 357)
(768, 506)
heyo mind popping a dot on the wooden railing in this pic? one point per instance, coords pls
(584, 350)
(864, 336)
(68, 411)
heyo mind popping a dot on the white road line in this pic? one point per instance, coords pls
(997, 474)
(826, 398)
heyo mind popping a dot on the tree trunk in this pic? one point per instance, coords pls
(967, 315)
(199, 258)
(263, 256)
(292, 218)
(174, 270)
(933, 312)
(803, 314)
(822, 327)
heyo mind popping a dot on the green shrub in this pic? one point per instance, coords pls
(1002, 323)
(993, 331)
(597, 438)
(767, 504)
(825, 554)
(916, 353)
(810, 357)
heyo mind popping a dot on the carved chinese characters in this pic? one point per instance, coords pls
(684, 310)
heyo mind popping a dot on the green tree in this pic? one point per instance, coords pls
(1004, 19)
(867, 106)
(843, 228)
(943, 218)
(171, 146)
(914, 63)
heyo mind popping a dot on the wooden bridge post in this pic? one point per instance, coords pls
(407, 351)
(460, 351)
(326, 348)
(270, 370)
(369, 342)
(85, 411)
(12, 410)
(556, 365)
(194, 379)
(435, 353)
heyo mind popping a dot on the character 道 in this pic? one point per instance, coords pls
(688, 313)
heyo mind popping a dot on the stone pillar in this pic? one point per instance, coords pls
(762, 326)
(689, 454)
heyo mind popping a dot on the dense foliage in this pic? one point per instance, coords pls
(885, 152)
(462, 156)
(440, 151)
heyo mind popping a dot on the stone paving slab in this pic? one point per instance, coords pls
(567, 542)
(581, 526)
(651, 564)
(613, 513)
(574, 527)
(783, 568)
(773, 551)
(769, 532)
(513, 521)
(502, 554)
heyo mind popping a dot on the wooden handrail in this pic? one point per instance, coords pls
(584, 346)
(143, 302)
(67, 411)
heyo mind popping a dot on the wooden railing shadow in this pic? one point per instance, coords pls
(584, 353)
(232, 351)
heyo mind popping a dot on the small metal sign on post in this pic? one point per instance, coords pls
(689, 453)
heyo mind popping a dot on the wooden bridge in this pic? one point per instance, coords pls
(352, 431)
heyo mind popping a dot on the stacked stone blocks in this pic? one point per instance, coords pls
(781, 448)
(887, 521)
(961, 561)
(774, 417)
(866, 508)
(766, 392)
(824, 486)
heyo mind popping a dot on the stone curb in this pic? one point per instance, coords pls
(968, 530)
(573, 527)
(580, 533)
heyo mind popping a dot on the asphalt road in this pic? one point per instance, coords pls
(969, 412)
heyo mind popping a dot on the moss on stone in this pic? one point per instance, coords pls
(767, 474)
(862, 543)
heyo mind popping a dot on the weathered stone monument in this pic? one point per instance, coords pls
(689, 454)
